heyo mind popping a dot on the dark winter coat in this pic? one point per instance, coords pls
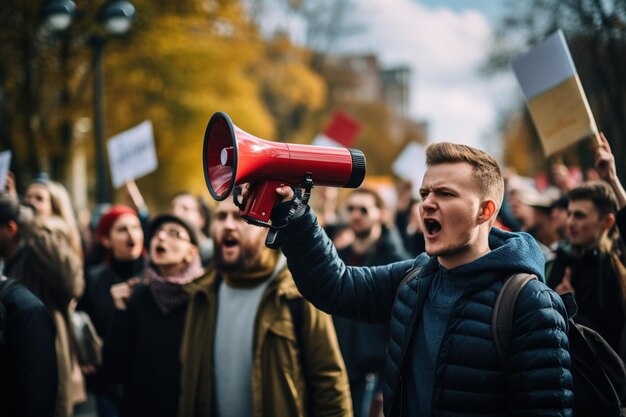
(98, 304)
(469, 378)
(597, 286)
(142, 353)
(28, 363)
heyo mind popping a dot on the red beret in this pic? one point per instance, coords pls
(108, 218)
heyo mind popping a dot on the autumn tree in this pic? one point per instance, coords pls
(291, 89)
(184, 67)
(33, 87)
(181, 62)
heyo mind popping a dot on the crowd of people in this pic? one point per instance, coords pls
(191, 314)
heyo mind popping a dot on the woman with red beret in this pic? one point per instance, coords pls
(121, 234)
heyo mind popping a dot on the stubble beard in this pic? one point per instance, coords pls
(244, 261)
(362, 234)
(450, 251)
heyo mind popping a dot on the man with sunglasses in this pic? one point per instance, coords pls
(363, 344)
(441, 357)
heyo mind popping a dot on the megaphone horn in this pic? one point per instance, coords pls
(232, 157)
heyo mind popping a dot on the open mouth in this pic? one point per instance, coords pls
(160, 249)
(230, 242)
(432, 227)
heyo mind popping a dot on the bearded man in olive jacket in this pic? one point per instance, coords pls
(248, 327)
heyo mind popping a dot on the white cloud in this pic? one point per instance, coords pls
(445, 50)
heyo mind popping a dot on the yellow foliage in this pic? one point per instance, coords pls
(182, 61)
(297, 85)
(177, 73)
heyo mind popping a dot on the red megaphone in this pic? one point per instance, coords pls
(232, 157)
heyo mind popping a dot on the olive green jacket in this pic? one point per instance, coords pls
(285, 382)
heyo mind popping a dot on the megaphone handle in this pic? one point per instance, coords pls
(261, 199)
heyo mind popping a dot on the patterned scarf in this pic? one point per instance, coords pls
(168, 291)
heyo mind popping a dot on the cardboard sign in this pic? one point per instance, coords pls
(132, 154)
(341, 131)
(5, 164)
(411, 165)
(554, 95)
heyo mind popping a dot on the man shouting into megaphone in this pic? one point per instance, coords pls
(441, 355)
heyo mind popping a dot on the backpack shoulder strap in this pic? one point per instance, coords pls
(409, 275)
(502, 319)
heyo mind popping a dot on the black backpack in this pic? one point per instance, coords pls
(597, 370)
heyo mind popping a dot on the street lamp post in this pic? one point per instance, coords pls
(116, 17)
(102, 191)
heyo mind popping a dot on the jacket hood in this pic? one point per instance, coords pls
(510, 253)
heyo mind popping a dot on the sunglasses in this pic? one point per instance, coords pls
(362, 209)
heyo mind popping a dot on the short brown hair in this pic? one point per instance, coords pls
(486, 169)
(599, 193)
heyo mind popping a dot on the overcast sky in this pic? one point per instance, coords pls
(444, 42)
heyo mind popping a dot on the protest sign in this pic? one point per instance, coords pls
(554, 95)
(132, 154)
(5, 164)
(341, 132)
(411, 165)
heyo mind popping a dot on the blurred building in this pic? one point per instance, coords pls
(379, 98)
(361, 78)
(396, 83)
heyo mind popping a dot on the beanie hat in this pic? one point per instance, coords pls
(156, 223)
(109, 218)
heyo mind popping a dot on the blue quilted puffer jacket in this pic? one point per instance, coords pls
(469, 379)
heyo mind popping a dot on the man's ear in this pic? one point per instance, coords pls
(609, 221)
(12, 228)
(487, 211)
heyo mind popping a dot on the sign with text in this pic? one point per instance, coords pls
(132, 154)
(554, 95)
(5, 164)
